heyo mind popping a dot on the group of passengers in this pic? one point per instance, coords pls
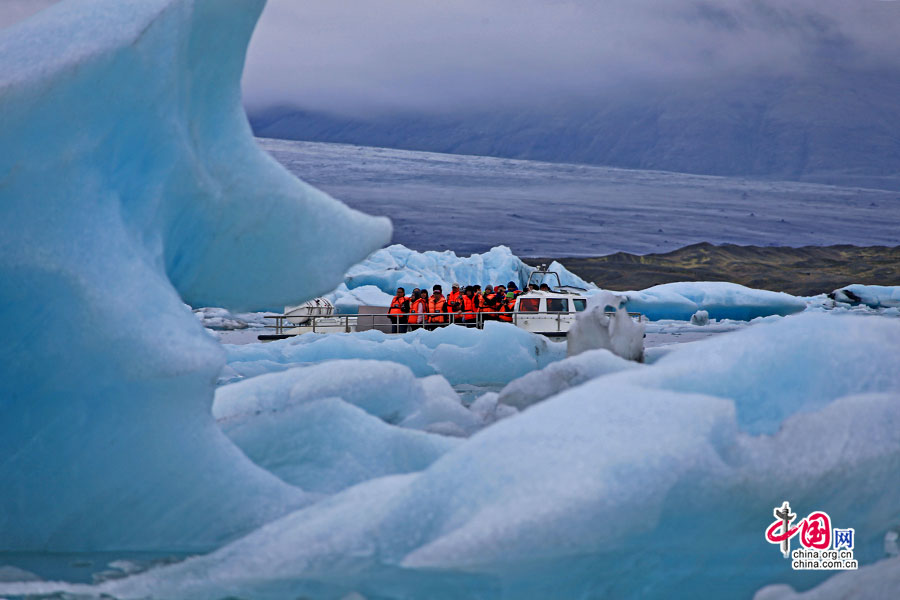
(462, 306)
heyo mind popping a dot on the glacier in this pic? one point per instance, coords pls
(720, 300)
(130, 184)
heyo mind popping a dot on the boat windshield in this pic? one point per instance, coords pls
(529, 304)
(557, 305)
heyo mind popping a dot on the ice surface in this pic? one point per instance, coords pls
(721, 300)
(873, 296)
(879, 581)
(617, 332)
(775, 369)
(609, 488)
(130, 181)
(386, 390)
(496, 354)
(562, 375)
(325, 445)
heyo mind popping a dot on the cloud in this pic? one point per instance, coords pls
(359, 56)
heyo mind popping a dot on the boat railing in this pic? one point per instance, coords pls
(385, 321)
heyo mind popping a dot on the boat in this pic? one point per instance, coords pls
(549, 312)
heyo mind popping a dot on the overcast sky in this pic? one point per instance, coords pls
(437, 55)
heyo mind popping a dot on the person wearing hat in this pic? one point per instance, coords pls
(454, 304)
(512, 287)
(507, 307)
(418, 312)
(437, 308)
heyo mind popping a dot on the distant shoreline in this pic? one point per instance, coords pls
(804, 271)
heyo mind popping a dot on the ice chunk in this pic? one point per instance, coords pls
(496, 354)
(325, 445)
(873, 296)
(701, 317)
(776, 369)
(559, 376)
(874, 582)
(219, 318)
(130, 181)
(721, 300)
(617, 332)
(347, 301)
(398, 266)
(490, 410)
(386, 390)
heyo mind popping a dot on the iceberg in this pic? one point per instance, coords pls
(873, 296)
(496, 354)
(617, 332)
(720, 300)
(398, 266)
(129, 185)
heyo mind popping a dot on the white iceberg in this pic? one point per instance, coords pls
(130, 181)
(873, 296)
(596, 328)
(720, 300)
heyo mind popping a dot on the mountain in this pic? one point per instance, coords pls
(840, 125)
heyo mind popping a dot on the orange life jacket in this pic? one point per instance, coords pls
(487, 303)
(468, 307)
(437, 306)
(417, 312)
(397, 305)
(507, 307)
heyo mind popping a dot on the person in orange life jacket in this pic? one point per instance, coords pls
(454, 304)
(512, 287)
(418, 312)
(437, 309)
(507, 307)
(499, 300)
(488, 304)
(399, 310)
(468, 307)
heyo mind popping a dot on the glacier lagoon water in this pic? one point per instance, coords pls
(113, 452)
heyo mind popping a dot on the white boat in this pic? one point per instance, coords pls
(548, 312)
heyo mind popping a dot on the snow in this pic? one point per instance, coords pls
(594, 328)
(131, 185)
(873, 296)
(562, 375)
(721, 300)
(496, 354)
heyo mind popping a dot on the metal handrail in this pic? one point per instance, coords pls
(478, 320)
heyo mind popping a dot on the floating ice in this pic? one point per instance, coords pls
(347, 301)
(560, 376)
(398, 266)
(577, 495)
(873, 296)
(617, 332)
(130, 181)
(719, 299)
(496, 354)
(384, 389)
(325, 444)
(701, 318)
